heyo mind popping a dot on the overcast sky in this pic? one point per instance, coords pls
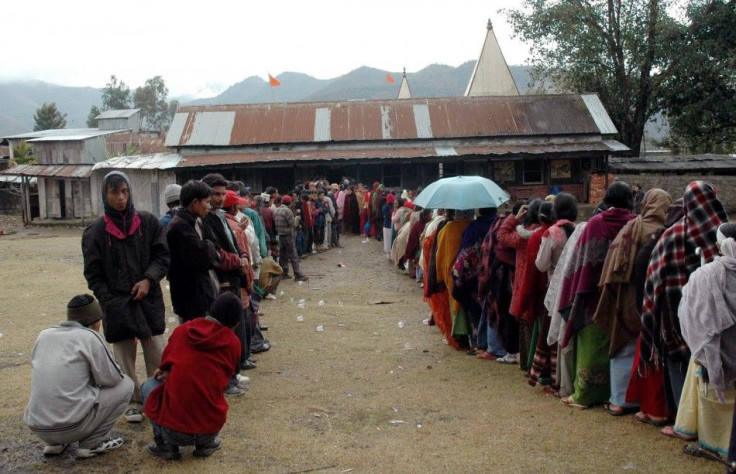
(202, 48)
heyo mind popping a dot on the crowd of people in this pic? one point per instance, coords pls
(223, 252)
(632, 309)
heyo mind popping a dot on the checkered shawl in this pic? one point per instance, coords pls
(673, 260)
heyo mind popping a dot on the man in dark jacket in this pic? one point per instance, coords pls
(231, 264)
(193, 282)
(125, 258)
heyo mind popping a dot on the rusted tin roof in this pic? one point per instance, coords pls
(51, 171)
(387, 120)
(395, 152)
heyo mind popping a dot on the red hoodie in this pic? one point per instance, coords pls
(201, 357)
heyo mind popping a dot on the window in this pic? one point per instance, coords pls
(392, 176)
(533, 171)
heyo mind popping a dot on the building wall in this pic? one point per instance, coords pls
(147, 189)
(675, 185)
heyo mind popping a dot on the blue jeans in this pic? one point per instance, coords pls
(488, 336)
(163, 435)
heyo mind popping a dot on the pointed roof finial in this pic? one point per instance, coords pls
(490, 25)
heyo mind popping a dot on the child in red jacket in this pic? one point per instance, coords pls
(184, 399)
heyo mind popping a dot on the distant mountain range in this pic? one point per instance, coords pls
(19, 100)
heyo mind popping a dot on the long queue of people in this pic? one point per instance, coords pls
(632, 311)
(218, 249)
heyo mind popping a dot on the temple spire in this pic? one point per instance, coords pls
(404, 91)
(491, 75)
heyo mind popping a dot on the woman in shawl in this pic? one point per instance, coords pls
(449, 239)
(465, 274)
(646, 385)
(552, 242)
(618, 313)
(352, 211)
(413, 243)
(387, 211)
(377, 201)
(435, 293)
(531, 306)
(707, 315)
(514, 233)
(398, 249)
(673, 260)
(580, 294)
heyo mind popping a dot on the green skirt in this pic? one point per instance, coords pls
(592, 367)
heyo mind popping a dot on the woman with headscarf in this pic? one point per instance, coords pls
(352, 211)
(377, 201)
(579, 298)
(449, 239)
(646, 384)
(618, 313)
(413, 243)
(398, 248)
(514, 233)
(673, 260)
(551, 245)
(707, 315)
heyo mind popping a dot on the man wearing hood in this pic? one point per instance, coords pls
(125, 258)
(188, 407)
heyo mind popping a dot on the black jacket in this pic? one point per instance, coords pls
(113, 265)
(192, 258)
(224, 240)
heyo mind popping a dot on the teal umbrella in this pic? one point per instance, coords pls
(461, 193)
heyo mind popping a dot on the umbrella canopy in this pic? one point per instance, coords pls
(461, 193)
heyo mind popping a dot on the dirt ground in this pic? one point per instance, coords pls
(375, 391)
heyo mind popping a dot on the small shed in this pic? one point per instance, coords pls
(126, 119)
(149, 175)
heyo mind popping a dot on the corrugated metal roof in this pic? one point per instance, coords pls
(159, 161)
(385, 120)
(14, 179)
(112, 114)
(705, 162)
(62, 134)
(51, 171)
(599, 114)
(390, 152)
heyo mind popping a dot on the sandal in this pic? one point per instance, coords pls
(486, 356)
(568, 401)
(644, 418)
(700, 452)
(670, 431)
(618, 411)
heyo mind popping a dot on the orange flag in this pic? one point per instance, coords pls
(273, 81)
(389, 79)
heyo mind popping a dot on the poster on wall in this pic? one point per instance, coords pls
(504, 171)
(560, 169)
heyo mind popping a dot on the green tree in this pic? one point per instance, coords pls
(151, 99)
(115, 95)
(615, 48)
(48, 117)
(23, 154)
(92, 117)
(699, 96)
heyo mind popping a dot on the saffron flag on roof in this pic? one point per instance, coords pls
(389, 78)
(273, 81)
